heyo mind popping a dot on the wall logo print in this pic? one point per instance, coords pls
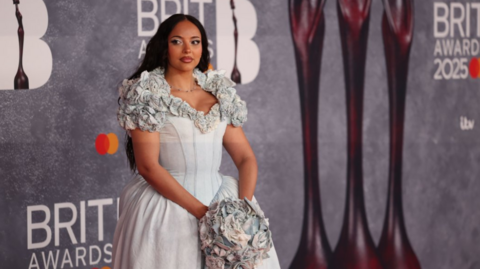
(21, 79)
(26, 59)
(106, 143)
(474, 67)
(355, 248)
(456, 28)
(236, 50)
(236, 76)
(53, 238)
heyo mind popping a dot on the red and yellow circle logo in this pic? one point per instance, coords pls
(106, 143)
(474, 67)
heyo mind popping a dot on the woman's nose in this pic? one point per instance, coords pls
(186, 48)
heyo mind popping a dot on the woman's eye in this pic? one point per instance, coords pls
(196, 42)
(176, 41)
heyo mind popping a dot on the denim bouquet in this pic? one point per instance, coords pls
(234, 234)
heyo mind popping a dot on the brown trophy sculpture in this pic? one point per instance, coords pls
(21, 80)
(307, 24)
(397, 29)
(236, 76)
(355, 248)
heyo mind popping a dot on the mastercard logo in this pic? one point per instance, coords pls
(474, 68)
(105, 267)
(106, 143)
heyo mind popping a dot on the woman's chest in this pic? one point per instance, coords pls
(187, 130)
(200, 100)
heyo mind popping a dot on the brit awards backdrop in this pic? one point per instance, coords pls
(362, 116)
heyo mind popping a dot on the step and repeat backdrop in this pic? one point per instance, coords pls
(363, 116)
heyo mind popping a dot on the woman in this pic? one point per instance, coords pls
(177, 117)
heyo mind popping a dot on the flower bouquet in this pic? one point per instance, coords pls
(234, 234)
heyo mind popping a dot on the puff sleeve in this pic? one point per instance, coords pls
(233, 109)
(141, 105)
(237, 111)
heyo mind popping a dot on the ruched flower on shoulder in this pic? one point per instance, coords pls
(232, 107)
(145, 102)
(141, 105)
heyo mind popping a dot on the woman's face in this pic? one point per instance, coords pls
(184, 46)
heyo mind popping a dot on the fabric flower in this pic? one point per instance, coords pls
(215, 263)
(146, 101)
(261, 240)
(216, 79)
(241, 235)
(242, 265)
(226, 94)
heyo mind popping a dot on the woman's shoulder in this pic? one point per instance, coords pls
(232, 107)
(213, 79)
(148, 82)
(141, 103)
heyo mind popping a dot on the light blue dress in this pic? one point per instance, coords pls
(153, 232)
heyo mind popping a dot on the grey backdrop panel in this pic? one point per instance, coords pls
(48, 155)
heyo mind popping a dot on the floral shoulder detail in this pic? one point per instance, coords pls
(141, 104)
(146, 101)
(232, 107)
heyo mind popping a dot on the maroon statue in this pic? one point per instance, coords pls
(236, 77)
(397, 29)
(355, 248)
(308, 27)
(21, 79)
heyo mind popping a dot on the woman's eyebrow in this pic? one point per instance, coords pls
(182, 37)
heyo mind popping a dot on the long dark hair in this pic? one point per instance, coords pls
(156, 56)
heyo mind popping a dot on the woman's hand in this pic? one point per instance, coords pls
(201, 211)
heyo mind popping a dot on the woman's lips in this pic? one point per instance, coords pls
(186, 59)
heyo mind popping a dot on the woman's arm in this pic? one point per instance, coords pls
(242, 155)
(146, 147)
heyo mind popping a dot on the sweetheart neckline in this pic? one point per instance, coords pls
(197, 111)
